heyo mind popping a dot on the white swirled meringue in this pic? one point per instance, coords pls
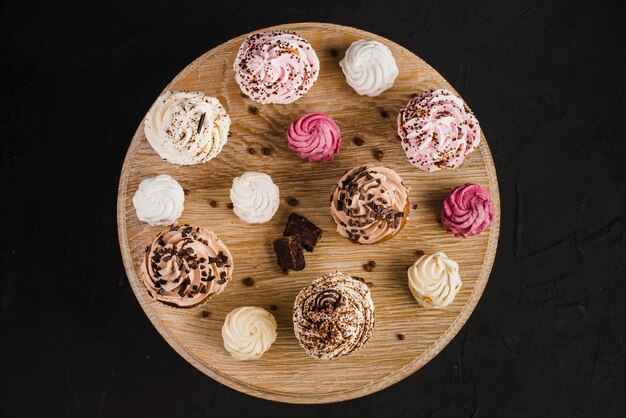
(187, 127)
(248, 332)
(369, 67)
(434, 280)
(159, 200)
(255, 197)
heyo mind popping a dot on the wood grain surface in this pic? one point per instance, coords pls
(285, 373)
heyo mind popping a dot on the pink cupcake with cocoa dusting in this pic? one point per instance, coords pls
(276, 67)
(467, 211)
(437, 130)
(315, 137)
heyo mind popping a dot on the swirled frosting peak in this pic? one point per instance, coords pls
(333, 316)
(248, 332)
(187, 127)
(185, 265)
(276, 67)
(370, 204)
(434, 280)
(468, 210)
(315, 137)
(255, 197)
(159, 200)
(369, 67)
(437, 130)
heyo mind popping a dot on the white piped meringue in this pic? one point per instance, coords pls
(369, 67)
(248, 332)
(434, 280)
(159, 200)
(187, 127)
(255, 197)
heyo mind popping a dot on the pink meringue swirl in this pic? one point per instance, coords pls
(315, 137)
(437, 130)
(468, 210)
(276, 67)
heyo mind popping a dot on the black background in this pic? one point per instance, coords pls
(546, 81)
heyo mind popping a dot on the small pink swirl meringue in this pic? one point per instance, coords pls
(437, 130)
(315, 137)
(468, 210)
(276, 67)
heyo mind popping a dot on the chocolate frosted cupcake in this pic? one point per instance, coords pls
(370, 204)
(334, 316)
(185, 265)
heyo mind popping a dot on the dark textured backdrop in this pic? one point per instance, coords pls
(546, 81)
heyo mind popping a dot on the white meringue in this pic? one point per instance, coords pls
(187, 127)
(369, 67)
(255, 197)
(248, 332)
(434, 280)
(159, 200)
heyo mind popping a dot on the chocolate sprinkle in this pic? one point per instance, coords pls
(379, 154)
(253, 110)
(201, 122)
(205, 314)
(384, 114)
(213, 203)
(420, 253)
(251, 150)
(400, 337)
(358, 141)
(229, 205)
(248, 281)
(266, 151)
(293, 202)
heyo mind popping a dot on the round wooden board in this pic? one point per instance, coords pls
(285, 373)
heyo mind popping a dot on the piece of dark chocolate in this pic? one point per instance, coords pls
(289, 253)
(308, 233)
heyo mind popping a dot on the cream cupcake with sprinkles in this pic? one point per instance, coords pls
(278, 66)
(370, 204)
(187, 127)
(437, 130)
(186, 265)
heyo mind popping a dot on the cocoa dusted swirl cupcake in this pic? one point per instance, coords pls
(370, 204)
(186, 265)
(333, 316)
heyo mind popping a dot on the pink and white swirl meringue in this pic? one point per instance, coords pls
(468, 210)
(315, 137)
(276, 67)
(437, 130)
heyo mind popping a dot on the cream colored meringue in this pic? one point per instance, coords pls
(187, 127)
(255, 197)
(369, 67)
(434, 280)
(159, 200)
(248, 332)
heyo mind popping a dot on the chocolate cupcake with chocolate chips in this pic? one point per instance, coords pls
(370, 204)
(334, 316)
(186, 265)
